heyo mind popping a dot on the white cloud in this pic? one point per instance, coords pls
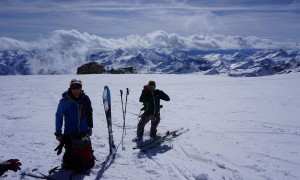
(73, 40)
(13, 44)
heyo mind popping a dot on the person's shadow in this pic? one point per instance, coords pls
(153, 152)
(67, 174)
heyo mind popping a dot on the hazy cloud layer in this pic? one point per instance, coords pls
(75, 41)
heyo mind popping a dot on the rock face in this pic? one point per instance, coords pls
(91, 68)
(96, 68)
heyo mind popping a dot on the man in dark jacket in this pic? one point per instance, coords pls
(76, 111)
(150, 98)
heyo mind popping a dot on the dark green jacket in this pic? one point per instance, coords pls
(151, 100)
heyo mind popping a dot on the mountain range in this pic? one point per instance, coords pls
(246, 62)
(63, 51)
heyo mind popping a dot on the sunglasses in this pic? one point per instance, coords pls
(75, 86)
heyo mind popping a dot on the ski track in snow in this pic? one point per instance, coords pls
(240, 128)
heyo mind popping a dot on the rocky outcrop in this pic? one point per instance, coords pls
(96, 68)
(91, 68)
(125, 70)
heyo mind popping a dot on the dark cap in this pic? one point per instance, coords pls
(151, 83)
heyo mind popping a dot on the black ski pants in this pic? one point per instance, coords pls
(155, 119)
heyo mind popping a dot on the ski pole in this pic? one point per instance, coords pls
(123, 134)
(127, 93)
(123, 108)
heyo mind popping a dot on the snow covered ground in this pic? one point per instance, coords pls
(240, 128)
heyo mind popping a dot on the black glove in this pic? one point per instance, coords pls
(12, 164)
(60, 147)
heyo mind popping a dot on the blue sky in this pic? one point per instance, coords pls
(272, 19)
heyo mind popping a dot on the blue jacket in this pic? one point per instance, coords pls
(76, 113)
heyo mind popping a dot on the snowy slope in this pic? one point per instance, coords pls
(240, 128)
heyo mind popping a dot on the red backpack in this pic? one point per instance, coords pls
(82, 154)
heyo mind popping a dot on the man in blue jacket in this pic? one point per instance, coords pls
(76, 113)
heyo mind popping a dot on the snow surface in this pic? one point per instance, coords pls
(240, 128)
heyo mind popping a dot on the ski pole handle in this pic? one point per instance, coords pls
(127, 91)
(121, 92)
